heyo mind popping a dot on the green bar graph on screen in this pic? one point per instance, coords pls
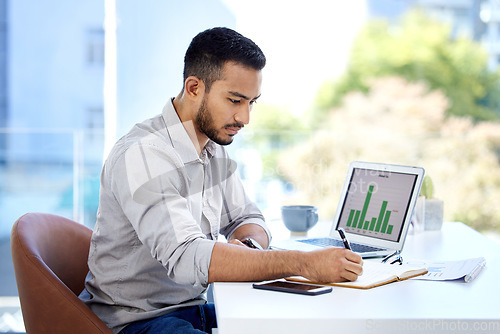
(381, 216)
(389, 229)
(372, 225)
(351, 216)
(378, 224)
(365, 227)
(365, 206)
(386, 220)
(356, 217)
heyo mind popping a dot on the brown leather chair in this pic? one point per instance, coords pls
(50, 261)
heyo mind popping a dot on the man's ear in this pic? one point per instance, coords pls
(194, 87)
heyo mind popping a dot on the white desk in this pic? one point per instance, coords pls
(408, 306)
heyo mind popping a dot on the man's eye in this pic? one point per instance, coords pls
(253, 102)
(235, 101)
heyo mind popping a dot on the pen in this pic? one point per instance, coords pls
(384, 260)
(475, 271)
(347, 245)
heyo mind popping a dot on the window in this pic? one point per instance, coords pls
(95, 47)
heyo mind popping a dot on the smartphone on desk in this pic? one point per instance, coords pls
(300, 288)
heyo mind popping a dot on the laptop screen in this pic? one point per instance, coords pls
(377, 203)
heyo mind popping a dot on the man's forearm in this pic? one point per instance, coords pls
(233, 263)
(237, 263)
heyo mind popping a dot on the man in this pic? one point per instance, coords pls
(168, 188)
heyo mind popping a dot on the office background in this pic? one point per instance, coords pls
(75, 76)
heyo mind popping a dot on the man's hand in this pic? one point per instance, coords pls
(332, 264)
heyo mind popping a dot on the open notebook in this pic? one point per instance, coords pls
(375, 210)
(375, 274)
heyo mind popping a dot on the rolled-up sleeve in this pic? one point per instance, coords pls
(154, 192)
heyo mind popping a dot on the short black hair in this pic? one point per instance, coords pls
(212, 48)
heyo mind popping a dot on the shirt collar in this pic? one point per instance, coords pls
(211, 147)
(180, 138)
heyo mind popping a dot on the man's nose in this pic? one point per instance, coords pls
(243, 116)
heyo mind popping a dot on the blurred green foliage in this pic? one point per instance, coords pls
(418, 49)
(273, 129)
(275, 118)
(402, 122)
(410, 95)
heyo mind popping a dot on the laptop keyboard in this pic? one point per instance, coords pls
(323, 242)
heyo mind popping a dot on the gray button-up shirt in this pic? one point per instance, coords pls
(161, 209)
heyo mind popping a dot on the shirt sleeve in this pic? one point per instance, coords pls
(151, 186)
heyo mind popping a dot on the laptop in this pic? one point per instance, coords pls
(375, 210)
